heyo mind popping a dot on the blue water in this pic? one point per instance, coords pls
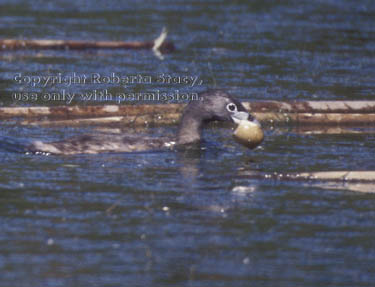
(195, 217)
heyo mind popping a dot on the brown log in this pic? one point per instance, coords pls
(336, 176)
(135, 120)
(335, 118)
(358, 181)
(72, 112)
(339, 176)
(266, 110)
(160, 118)
(158, 44)
(14, 44)
(360, 117)
(352, 107)
(316, 118)
(327, 129)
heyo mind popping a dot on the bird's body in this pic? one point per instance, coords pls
(100, 143)
(212, 106)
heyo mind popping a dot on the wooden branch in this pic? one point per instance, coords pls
(358, 181)
(159, 118)
(14, 44)
(71, 112)
(135, 121)
(158, 44)
(316, 119)
(312, 106)
(280, 111)
(327, 129)
(360, 113)
(337, 176)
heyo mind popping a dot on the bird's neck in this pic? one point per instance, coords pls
(190, 128)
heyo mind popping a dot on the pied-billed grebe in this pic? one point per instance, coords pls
(214, 105)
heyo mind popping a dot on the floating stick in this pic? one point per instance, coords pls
(136, 121)
(342, 176)
(159, 44)
(351, 107)
(359, 181)
(304, 113)
(70, 112)
(316, 118)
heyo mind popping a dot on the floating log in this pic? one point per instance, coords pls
(159, 118)
(169, 112)
(265, 110)
(314, 112)
(71, 112)
(327, 129)
(337, 176)
(158, 44)
(352, 107)
(136, 121)
(316, 118)
(359, 181)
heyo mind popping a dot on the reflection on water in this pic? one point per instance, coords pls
(187, 215)
(196, 217)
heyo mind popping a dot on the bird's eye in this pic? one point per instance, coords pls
(231, 107)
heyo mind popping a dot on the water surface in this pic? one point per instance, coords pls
(196, 217)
